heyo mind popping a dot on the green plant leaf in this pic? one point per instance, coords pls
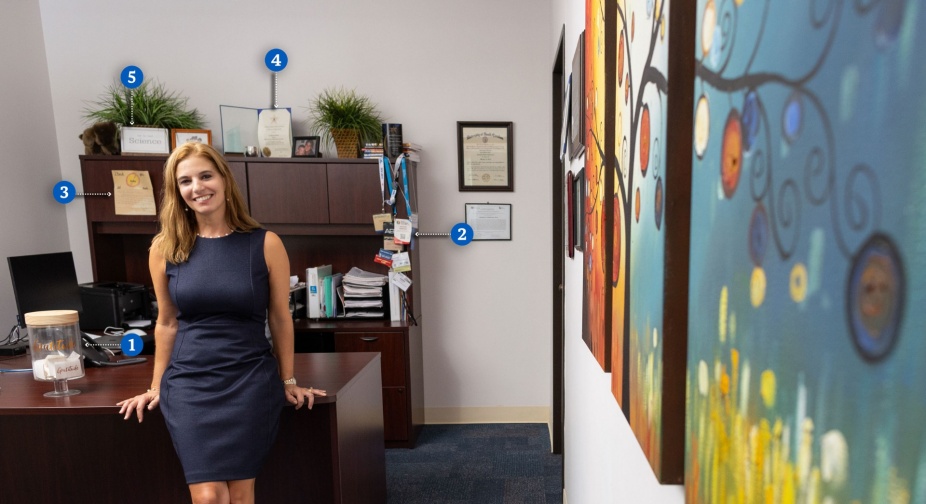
(339, 108)
(153, 105)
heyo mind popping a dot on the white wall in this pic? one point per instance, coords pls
(428, 64)
(603, 460)
(31, 221)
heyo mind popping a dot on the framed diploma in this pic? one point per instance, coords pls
(490, 221)
(485, 156)
(275, 132)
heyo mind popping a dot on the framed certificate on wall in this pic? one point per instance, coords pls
(485, 156)
(490, 221)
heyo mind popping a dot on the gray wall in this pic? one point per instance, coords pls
(31, 221)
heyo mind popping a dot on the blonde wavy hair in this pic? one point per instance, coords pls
(178, 230)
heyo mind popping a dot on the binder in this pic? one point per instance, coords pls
(312, 286)
(329, 292)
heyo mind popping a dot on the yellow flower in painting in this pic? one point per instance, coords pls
(757, 286)
(767, 385)
(722, 322)
(798, 282)
(724, 382)
(805, 451)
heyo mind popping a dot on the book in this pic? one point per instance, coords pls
(313, 299)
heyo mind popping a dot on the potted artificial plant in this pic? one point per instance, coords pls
(347, 118)
(152, 105)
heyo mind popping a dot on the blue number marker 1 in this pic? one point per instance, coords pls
(132, 345)
(132, 77)
(63, 192)
(276, 60)
(461, 234)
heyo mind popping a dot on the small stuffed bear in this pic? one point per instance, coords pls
(101, 138)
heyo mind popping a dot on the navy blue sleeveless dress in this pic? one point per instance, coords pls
(221, 394)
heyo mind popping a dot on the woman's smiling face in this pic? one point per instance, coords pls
(201, 185)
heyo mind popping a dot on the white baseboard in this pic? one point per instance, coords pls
(526, 414)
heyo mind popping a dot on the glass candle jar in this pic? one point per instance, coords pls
(54, 338)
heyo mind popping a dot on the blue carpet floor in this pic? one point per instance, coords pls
(476, 463)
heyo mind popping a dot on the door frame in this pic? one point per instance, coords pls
(557, 226)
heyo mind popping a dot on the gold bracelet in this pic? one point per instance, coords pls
(154, 390)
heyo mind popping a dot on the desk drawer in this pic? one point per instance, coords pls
(390, 345)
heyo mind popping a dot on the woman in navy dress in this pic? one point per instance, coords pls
(218, 278)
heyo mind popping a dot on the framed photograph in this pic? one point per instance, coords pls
(577, 101)
(182, 136)
(578, 204)
(490, 221)
(570, 216)
(486, 156)
(305, 146)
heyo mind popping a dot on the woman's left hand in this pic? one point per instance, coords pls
(298, 395)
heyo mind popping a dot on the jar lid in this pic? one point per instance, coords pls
(51, 318)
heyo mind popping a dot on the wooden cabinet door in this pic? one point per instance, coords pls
(354, 193)
(97, 175)
(390, 344)
(395, 413)
(240, 172)
(288, 193)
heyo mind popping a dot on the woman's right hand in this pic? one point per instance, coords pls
(149, 400)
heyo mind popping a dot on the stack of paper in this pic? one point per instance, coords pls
(363, 293)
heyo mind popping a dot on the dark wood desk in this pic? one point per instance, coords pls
(78, 449)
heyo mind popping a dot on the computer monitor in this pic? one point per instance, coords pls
(44, 282)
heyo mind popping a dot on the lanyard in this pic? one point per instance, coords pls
(385, 182)
(408, 203)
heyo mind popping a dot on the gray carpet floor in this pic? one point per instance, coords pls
(476, 463)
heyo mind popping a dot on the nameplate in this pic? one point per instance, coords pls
(145, 140)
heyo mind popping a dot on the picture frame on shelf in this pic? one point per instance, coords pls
(306, 146)
(137, 140)
(180, 136)
(485, 153)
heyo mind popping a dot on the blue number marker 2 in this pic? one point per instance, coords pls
(461, 234)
